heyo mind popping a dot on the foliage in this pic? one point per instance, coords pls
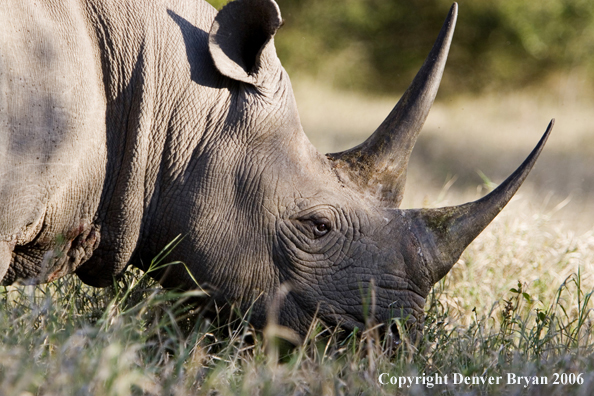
(378, 45)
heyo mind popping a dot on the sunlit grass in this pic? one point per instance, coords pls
(518, 302)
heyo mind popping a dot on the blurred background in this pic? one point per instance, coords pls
(513, 65)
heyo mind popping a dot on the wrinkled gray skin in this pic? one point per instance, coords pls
(124, 124)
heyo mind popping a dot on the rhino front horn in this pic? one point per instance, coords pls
(444, 233)
(379, 164)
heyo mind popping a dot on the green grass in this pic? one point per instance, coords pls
(65, 338)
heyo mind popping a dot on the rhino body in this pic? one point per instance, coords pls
(124, 124)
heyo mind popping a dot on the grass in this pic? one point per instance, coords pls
(518, 301)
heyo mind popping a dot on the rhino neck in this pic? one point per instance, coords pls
(176, 132)
(158, 80)
(198, 185)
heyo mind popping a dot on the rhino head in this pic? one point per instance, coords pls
(272, 218)
(269, 223)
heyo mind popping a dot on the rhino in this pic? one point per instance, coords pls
(124, 124)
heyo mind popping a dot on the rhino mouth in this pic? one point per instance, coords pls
(390, 333)
(396, 311)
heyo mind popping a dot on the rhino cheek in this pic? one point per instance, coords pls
(385, 275)
(333, 278)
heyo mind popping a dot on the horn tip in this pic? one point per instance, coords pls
(454, 9)
(547, 132)
(452, 16)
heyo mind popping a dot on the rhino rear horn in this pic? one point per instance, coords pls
(444, 233)
(241, 41)
(379, 164)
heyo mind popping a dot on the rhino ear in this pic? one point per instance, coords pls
(241, 41)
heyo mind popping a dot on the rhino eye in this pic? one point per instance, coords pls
(321, 229)
(313, 224)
